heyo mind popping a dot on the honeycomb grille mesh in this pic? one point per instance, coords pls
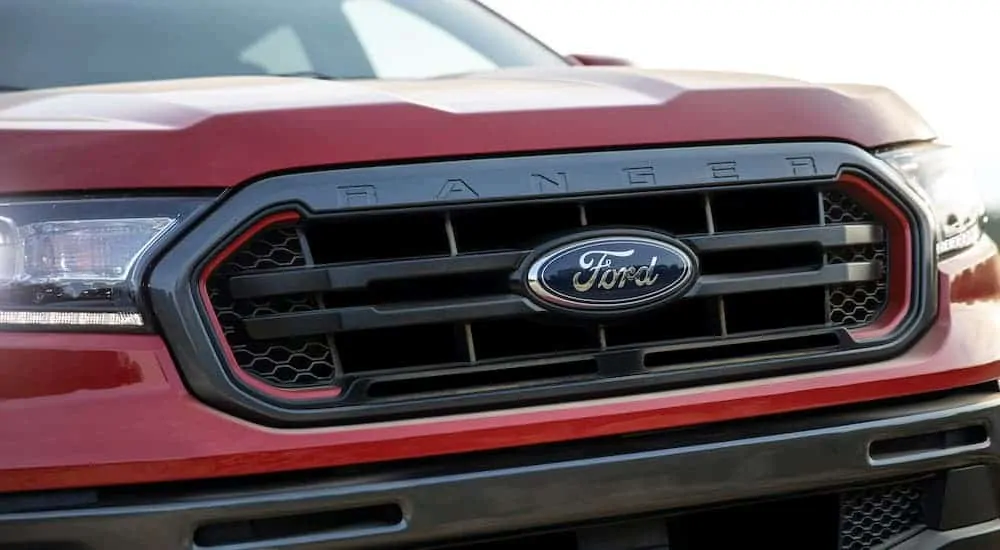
(854, 304)
(875, 516)
(840, 208)
(301, 362)
(857, 303)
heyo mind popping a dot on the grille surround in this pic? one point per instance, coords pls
(204, 362)
(273, 291)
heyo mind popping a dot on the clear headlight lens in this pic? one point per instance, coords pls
(948, 182)
(73, 263)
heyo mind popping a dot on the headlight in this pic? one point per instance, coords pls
(76, 263)
(947, 182)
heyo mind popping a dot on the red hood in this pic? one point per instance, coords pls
(222, 131)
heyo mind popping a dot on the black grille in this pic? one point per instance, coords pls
(873, 517)
(410, 304)
(291, 362)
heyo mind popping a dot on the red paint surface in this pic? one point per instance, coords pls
(218, 132)
(50, 366)
(146, 427)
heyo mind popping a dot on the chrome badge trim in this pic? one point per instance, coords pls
(614, 272)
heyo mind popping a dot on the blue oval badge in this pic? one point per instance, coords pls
(612, 273)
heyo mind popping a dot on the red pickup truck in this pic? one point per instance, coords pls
(334, 274)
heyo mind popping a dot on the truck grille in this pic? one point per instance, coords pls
(390, 305)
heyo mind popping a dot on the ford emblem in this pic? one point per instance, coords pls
(611, 271)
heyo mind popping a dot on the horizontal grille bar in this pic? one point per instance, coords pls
(357, 276)
(826, 236)
(328, 278)
(375, 317)
(609, 363)
(714, 285)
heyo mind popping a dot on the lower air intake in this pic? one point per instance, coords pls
(875, 518)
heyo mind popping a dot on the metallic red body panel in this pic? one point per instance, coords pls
(218, 132)
(106, 418)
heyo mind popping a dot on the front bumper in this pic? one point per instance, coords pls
(953, 437)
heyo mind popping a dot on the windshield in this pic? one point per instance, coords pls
(45, 43)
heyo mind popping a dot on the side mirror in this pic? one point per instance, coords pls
(597, 60)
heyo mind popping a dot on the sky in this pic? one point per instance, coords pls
(938, 55)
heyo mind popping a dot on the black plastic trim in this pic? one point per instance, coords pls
(961, 498)
(624, 362)
(323, 278)
(372, 317)
(983, 536)
(174, 280)
(713, 285)
(351, 277)
(469, 496)
(826, 236)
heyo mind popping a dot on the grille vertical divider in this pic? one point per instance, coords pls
(601, 332)
(720, 301)
(826, 257)
(307, 256)
(470, 343)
